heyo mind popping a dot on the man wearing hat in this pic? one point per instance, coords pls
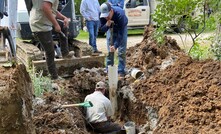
(99, 115)
(115, 14)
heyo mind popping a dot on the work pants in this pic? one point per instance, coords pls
(122, 46)
(92, 27)
(47, 43)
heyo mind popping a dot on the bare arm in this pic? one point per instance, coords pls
(47, 9)
(64, 18)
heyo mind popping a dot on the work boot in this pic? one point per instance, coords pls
(70, 55)
(96, 53)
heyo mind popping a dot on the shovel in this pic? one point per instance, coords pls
(111, 54)
(84, 104)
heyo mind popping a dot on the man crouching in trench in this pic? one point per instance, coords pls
(99, 115)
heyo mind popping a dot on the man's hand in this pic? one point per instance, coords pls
(109, 22)
(66, 22)
(57, 28)
(112, 49)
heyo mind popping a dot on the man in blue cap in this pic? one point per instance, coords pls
(114, 14)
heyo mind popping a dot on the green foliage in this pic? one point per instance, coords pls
(171, 12)
(41, 84)
(158, 35)
(135, 32)
(185, 14)
(200, 52)
(211, 23)
(216, 46)
(77, 4)
(216, 49)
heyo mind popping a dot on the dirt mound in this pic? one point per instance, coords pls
(182, 97)
(149, 55)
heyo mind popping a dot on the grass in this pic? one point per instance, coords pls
(131, 32)
(41, 83)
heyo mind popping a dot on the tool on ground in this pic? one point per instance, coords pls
(84, 104)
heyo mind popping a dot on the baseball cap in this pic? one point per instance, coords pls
(100, 85)
(105, 9)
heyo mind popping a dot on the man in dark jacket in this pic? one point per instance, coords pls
(114, 14)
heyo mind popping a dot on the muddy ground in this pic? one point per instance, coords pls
(176, 94)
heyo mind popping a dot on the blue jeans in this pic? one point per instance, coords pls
(121, 50)
(92, 27)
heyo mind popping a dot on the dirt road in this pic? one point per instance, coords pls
(101, 42)
(133, 40)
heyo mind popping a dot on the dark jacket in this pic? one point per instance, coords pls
(120, 22)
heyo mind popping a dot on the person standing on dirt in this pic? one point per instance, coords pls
(99, 115)
(119, 3)
(43, 15)
(114, 14)
(90, 10)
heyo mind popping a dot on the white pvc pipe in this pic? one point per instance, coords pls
(113, 81)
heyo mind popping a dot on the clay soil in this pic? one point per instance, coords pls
(176, 94)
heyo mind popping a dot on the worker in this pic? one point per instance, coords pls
(119, 3)
(99, 115)
(42, 19)
(114, 14)
(90, 10)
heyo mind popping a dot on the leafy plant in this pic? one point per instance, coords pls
(200, 52)
(185, 15)
(41, 84)
(216, 46)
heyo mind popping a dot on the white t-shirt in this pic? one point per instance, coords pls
(101, 107)
(38, 21)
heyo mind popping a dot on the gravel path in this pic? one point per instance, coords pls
(101, 42)
(133, 40)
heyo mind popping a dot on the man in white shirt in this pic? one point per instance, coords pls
(43, 17)
(99, 115)
(90, 10)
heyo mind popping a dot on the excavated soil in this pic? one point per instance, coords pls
(176, 94)
(185, 95)
(15, 101)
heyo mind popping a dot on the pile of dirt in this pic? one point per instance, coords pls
(181, 97)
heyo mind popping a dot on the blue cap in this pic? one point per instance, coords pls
(105, 10)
